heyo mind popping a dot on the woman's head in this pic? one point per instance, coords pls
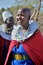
(23, 17)
(8, 19)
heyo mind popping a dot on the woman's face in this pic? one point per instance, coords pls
(23, 18)
(10, 22)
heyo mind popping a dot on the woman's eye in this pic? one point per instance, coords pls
(18, 15)
(22, 15)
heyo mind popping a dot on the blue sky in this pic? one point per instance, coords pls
(6, 3)
(9, 3)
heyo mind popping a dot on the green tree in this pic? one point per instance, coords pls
(3, 9)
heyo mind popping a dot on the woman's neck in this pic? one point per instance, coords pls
(8, 30)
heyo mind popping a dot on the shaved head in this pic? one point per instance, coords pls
(25, 10)
(23, 17)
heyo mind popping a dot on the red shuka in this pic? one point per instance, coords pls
(2, 41)
(33, 47)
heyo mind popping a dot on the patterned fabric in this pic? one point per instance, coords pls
(19, 35)
(33, 47)
(20, 57)
(16, 54)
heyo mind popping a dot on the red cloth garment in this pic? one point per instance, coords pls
(7, 42)
(33, 47)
